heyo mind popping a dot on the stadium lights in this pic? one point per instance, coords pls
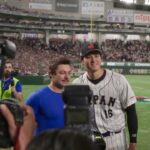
(61, 31)
(147, 2)
(129, 1)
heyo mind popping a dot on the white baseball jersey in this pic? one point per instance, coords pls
(111, 96)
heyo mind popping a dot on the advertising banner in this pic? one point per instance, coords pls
(142, 19)
(128, 64)
(120, 16)
(43, 6)
(94, 8)
(67, 6)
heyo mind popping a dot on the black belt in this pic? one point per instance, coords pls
(108, 133)
(99, 141)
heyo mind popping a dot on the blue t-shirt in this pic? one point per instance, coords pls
(48, 107)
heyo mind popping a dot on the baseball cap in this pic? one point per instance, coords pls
(89, 48)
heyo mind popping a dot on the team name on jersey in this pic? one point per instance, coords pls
(102, 101)
(108, 112)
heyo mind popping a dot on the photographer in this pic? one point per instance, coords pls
(10, 86)
(22, 136)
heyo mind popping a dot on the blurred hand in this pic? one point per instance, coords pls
(132, 146)
(12, 82)
(26, 130)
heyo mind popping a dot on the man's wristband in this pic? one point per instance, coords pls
(133, 138)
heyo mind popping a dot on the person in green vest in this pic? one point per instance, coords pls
(10, 86)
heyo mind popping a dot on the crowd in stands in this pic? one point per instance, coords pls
(34, 56)
(131, 51)
(65, 46)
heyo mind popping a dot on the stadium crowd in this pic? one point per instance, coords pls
(32, 51)
(131, 51)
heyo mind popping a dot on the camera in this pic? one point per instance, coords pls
(12, 104)
(77, 102)
(7, 50)
(78, 111)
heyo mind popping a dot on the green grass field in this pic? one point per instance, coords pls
(141, 87)
(139, 83)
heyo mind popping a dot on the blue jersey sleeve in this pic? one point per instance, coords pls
(18, 87)
(33, 101)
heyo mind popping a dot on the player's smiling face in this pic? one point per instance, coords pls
(92, 61)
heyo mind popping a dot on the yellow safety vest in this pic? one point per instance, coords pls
(4, 94)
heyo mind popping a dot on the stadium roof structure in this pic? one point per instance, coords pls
(99, 24)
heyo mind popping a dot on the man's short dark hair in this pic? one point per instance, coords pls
(8, 62)
(61, 139)
(61, 61)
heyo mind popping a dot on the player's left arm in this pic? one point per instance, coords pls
(17, 91)
(132, 123)
(128, 100)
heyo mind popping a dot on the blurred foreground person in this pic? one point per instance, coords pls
(61, 139)
(23, 135)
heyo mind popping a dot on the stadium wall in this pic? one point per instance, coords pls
(33, 80)
(128, 68)
(121, 67)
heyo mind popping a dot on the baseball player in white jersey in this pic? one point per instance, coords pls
(113, 97)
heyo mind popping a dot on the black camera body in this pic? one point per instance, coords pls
(8, 49)
(12, 104)
(77, 101)
(78, 112)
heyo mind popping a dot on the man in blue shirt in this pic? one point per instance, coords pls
(10, 86)
(47, 102)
